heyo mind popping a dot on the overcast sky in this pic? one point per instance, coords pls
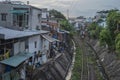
(76, 7)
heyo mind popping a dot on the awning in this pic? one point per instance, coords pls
(63, 31)
(19, 11)
(17, 59)
(49, 38)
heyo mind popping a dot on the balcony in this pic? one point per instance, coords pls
(5, 55)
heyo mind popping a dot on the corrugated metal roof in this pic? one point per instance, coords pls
(49, 38)
(6, 33)
(63, 31)
(18, 11)
(17, 59)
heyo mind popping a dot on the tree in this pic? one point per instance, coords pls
(105, 38)
(110, 35)
(63, 21)
(113, 20)
(67, 26)
(94, 30)
(56, 14)
(117, 43)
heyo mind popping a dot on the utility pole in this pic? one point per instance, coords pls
(67, 13)
(7, 0)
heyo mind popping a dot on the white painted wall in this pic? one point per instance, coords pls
(44, 50)
(5, 8)
(45, 43)
(41, 42)
(19, 47)
(45, 14)
(16, 48)
(103, 24)
(22, 46)
(35, 19)
(31, 44)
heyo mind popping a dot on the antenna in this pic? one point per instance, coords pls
(67, 13)
(28, 2)
(7, 0)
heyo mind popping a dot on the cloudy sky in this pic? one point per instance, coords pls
(76, 7)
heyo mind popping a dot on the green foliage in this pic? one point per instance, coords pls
(109, 35)
(94, 30)
(113, 20)
(63, 21)
(56, 14)
(117, 43)
(105, 38)
(67, 26)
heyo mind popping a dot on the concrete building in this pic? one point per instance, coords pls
(18, 47)
(78, 23)
(22, 42)
(35, 18)
(17, 15)
(24, 46)
(44, 17)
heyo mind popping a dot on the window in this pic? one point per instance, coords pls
(26, 44)
(3, 16)
(35, 44)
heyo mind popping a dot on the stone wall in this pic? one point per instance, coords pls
(109, 60)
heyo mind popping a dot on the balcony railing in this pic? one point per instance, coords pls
(5, 55)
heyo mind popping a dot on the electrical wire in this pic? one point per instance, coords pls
(73, 3)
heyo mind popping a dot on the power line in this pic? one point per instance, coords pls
(73, 3)
(68, 14)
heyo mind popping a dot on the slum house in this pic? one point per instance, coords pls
(48, 23)
(53, 26)
(19, 13)
(14, 15)
(45, 19)
(61, 36)
(16, 48)
(26, 18)
(20, 16)
(55, 32)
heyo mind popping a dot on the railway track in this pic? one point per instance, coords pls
(85, 69)
(88, 69)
